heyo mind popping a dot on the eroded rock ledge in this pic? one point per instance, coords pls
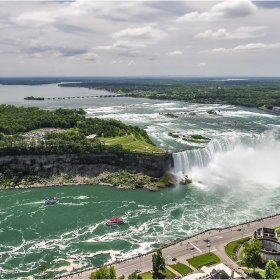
(118, 170)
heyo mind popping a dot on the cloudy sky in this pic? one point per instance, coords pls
(140, 38)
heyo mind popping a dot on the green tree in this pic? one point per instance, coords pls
(271, 270)
(132, 275)
(104, 272)
(252, 254)
(42, 268)
(158, 263)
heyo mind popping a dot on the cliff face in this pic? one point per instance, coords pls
(89, 165)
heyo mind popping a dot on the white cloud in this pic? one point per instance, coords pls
(221, 33)
(251, 28)
(40, 18)
(217, 50)
(240, 33)
(257, 46)
(35, 55)
(201, 64)
(172, 28)
(174, 53)
(121, 45)
(248, 47)
(92, 56)
(131, 53)
(131, 63)
(145, 33)
(221, 11)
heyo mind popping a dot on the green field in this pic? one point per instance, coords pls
(146, 275)
(162, 275)
(181, 268)
(232, 246)
(205, 259)
(130, 142)
(259, 272)
(167, 274)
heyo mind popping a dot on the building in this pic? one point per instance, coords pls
(263, 232)
(270, 245)
(218, 271)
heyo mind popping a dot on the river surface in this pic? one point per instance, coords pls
(235, 179)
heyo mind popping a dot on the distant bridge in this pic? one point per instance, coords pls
(89, 96)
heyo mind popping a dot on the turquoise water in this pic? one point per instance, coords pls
(73, 231)
(240, 182)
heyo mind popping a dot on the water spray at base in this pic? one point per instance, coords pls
(243, 162)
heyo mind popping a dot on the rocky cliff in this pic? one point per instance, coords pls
(89, 165)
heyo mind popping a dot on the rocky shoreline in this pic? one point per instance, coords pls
(127, 171)
(123, 179)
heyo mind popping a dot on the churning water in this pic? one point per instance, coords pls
(235, 179)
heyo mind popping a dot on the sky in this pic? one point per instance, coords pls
(140, 38)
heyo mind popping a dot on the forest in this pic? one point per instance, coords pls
(251, 92)
(16, 123)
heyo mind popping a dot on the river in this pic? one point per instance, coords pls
(235, 180)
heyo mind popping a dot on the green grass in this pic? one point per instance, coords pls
(263, 108)
(232, 245)
(130, 142)
(166, 275)
(162, 275)
(181, 268)
(260, 273)
(205, 259)
(146, 275)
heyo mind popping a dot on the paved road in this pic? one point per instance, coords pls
(195, 246)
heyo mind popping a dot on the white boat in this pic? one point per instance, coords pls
(51, 200)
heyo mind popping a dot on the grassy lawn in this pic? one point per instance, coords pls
(232, 246)
(181, 268)
(261, 274)
(162, 275)
(130, 142)
(167, 274)
(146, 275)
(205, 259)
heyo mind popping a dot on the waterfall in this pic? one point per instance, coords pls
(186, 160)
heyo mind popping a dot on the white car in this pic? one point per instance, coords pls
(138, 270)
(208, 245)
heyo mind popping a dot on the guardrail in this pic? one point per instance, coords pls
(166, 246)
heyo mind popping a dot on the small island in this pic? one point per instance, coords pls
(34, 98)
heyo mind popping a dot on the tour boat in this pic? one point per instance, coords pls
(51, 200)
(114, 221)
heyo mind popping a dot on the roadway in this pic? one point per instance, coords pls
(194, 246)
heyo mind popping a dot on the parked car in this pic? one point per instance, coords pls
(208, 245)
(192, 248)
(138, 270)
(174, 259)
(177, 277)
(239, 229)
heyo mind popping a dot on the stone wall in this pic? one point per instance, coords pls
(90, 165)
(270, 250)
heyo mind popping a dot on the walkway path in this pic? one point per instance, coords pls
(184, 250)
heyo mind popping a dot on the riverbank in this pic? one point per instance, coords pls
(184, 249)
(124, 179)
